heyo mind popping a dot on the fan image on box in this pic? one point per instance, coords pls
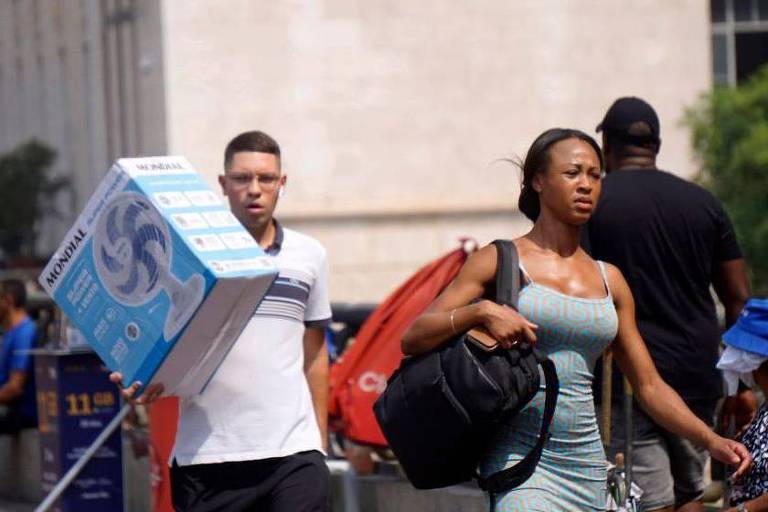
(132, 250)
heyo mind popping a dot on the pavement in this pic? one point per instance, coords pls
(8, 506)
(15, 506)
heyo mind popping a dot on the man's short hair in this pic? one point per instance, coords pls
(251, 141)
(16, 290)
(631, 121)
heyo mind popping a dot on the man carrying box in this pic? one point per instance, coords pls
(253, 440)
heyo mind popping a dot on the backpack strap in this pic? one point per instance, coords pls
(508, 290)
(507, 273)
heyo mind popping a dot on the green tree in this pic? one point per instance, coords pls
(729, 129)
(27, 194)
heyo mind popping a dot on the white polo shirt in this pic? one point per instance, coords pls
(258, 404)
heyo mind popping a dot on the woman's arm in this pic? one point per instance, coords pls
(451, 312)
(659, 400)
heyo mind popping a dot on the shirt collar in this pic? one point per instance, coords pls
(277, 243)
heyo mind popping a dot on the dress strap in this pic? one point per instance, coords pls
(605, 277)
(525, 272)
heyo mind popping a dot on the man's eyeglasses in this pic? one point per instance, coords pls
(267, 182)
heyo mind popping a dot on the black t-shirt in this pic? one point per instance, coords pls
(666, 235)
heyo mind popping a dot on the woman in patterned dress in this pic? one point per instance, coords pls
(750, 336)
(572, 307)
(751, 493)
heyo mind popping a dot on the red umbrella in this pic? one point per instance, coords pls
(361, 375)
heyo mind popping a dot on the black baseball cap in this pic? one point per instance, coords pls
(626, 111)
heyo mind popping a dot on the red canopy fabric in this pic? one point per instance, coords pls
(361, 375)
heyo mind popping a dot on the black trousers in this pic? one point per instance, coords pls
(297, 483)
(12, 420)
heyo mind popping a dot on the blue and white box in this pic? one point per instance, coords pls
(158, 275)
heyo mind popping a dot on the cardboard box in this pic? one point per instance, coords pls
(158, 275)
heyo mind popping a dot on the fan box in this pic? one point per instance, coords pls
(158, 275)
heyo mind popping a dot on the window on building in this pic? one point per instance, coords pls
(739, 39)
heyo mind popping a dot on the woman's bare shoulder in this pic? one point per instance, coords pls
(526, 247)
(481, 264)
(613, 273)
(617, 283)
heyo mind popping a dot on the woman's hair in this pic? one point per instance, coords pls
(536, 161)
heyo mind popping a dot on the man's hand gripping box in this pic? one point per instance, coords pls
(158, 275)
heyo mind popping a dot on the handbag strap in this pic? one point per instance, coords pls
(507, 273)
(507, 291)
(512, 477)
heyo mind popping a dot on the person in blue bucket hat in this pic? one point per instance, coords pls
(746, 358)
(750, 332)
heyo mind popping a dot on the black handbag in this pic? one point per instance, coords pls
(441, 409)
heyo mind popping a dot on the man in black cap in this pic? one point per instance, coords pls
(671, 239)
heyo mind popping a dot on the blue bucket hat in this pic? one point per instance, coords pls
(750, 332)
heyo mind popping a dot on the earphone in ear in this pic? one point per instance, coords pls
(280, 191)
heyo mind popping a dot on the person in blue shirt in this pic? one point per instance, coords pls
(18, 409)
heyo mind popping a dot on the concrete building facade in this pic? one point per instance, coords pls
(394, 117)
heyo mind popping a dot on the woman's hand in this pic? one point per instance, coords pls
(730, 452)
(506, 325)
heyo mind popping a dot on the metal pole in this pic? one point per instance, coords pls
(70, 475)
(349, 493)
(628, 411)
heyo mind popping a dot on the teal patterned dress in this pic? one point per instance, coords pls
(571, 475)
